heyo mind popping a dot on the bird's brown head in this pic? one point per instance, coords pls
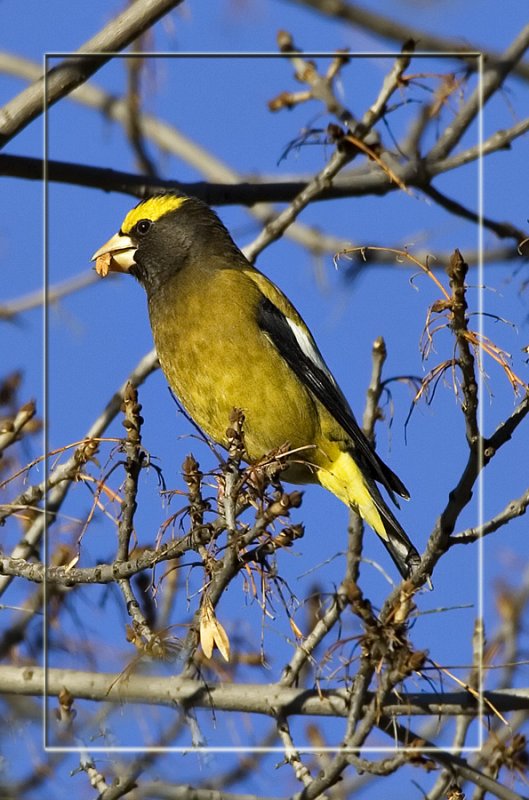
(163, 235)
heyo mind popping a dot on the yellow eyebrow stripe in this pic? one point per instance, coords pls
(153, 209)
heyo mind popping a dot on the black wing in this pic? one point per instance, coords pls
(309, 366)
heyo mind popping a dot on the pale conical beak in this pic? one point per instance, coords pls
(116, 255)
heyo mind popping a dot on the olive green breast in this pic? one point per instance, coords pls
(216, 358)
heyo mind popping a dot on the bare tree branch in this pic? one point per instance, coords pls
(264, 699)
(389, 28)
(93, 54)
(60, 487)
(493, 77)
(516, 508)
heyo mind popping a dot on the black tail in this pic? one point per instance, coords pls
(398, 543)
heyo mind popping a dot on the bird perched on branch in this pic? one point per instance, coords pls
(228, 338)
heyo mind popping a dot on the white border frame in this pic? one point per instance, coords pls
(480, 482)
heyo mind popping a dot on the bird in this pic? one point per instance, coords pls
(228, 338)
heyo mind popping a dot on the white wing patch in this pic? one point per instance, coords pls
(308, 348)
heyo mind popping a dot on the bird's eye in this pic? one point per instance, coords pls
(143, 226)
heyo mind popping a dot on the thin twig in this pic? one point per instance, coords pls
(61, 478)
(515, 508)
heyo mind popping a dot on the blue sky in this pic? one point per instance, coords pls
(97, 336)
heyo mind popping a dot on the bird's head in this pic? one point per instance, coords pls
(161, 236)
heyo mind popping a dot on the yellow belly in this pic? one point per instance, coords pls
(226, 362)
(216, 358)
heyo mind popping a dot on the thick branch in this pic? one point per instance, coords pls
(62, 79)
(263, 699)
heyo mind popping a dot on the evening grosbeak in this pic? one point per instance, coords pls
(228, 338)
